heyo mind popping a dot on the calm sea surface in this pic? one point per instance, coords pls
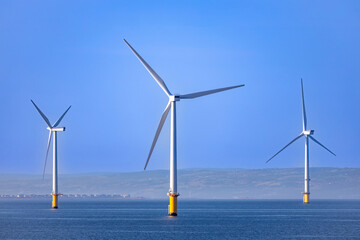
(147, 219)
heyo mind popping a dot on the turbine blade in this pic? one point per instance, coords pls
(312, 138)
(62, 116)
(303, 107)
(42, 115)
(203, 93)
(150, 70)
(286, 146)
(161, 124)
(47, 152)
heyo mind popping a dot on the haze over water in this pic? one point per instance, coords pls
(205, 219)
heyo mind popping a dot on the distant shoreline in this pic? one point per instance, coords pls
(69, 196)
(271, 183)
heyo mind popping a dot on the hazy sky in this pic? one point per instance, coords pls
(62, 53)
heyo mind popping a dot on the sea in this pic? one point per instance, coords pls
(197, 219)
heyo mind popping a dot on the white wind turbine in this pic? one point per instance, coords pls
(53, 129)
(307, 134)
(173, 194)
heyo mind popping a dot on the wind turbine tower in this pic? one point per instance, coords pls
(308, 135)
(173, 192)
(53, 129)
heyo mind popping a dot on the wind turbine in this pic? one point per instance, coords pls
(173, 194)
(53, 129)
(307, 134)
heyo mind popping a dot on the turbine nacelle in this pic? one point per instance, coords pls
(174, 98)
(56, 129)
(308, 132)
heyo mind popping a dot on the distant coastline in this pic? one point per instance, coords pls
(271, 183)
(68, 196)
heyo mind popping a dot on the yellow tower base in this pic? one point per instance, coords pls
(55, 199)
(172, 210)
(306, 197)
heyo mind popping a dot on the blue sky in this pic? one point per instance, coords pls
(62, 53)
